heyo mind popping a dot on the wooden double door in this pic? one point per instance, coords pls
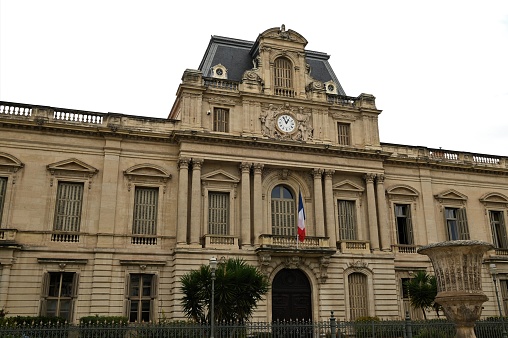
(291, 296)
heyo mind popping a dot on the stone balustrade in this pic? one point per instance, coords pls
(430, 155)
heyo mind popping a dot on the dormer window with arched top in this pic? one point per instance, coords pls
(283, 77)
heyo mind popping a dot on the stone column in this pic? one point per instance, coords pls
(183, 190)
(4, 284)
(195, 216)
(329, 211)
(371, 211)
(257, 201)
(245, 223)
(384, 230)
(318, 203)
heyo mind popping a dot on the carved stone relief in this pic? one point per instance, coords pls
(304, 130)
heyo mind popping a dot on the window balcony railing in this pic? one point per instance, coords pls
(354, 246)
(275, 241)
(220, 241)
(8, 235)
(66, 237)
(284, 92)
(501, 251)
(405, 248)
(144, 240)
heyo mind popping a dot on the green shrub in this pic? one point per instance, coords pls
(102, 326)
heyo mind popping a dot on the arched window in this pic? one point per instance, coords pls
(283, 212)
(358, 300)
(283, 77)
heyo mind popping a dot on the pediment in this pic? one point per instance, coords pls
(495, 198)
(451, 195)
(348, 185)
(10, 163)
(72, 165)
(281, 33)
(220, 176)
(147, 170)
(402, 190)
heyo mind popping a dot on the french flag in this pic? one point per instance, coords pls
(301, 218)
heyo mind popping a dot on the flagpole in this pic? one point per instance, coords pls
(297, 205)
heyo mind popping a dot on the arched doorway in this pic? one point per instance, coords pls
(291, 296)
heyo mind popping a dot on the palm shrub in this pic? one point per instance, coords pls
(238, 288)
(422, 289)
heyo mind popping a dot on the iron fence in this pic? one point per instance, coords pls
(491, 328)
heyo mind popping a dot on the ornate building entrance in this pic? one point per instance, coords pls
(291, 296)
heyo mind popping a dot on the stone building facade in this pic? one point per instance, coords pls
(103, 213)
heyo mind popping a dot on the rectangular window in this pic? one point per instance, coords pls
(59, 291)
(221, 120)
(3, 189)
(141, 297)
(347, 220)
(498, 229)
(503, 285)
(404, 225)
(218, 213)
(68, 206)
(344, 132)
(145, 211)
(456, 224)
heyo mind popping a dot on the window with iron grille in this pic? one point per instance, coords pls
(68, 206)
(3, 189)
(141, 297)
(498, 228)
(283, 77)
(59, 292)
(218, 213)
(283, 212)
(145, 211)
(221, 120)
(344, 133)
(456, 224)
(347, 220)
(358, 300)
(404, 224)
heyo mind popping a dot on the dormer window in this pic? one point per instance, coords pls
(331, 88)
(219, 72)
(283, 77)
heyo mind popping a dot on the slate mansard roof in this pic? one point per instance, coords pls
(238, 55)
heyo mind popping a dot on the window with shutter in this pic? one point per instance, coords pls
(358, 302)
(498, 229)
(347, 220)
(456, 224)
(142, 293)
(404, 224)
(503, 285)
(344, 134)
(218, 213)
(145, 211)
(221, 120)
(59, 292)
(283, 212)
(3, 189)
(283, 77)
(68, 206)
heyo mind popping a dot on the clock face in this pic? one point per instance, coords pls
(286, 123)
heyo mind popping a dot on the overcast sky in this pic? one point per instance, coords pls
(438, 69)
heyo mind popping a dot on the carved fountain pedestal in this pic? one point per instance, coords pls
(458, 266)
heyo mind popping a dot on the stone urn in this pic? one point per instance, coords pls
(458, 268)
